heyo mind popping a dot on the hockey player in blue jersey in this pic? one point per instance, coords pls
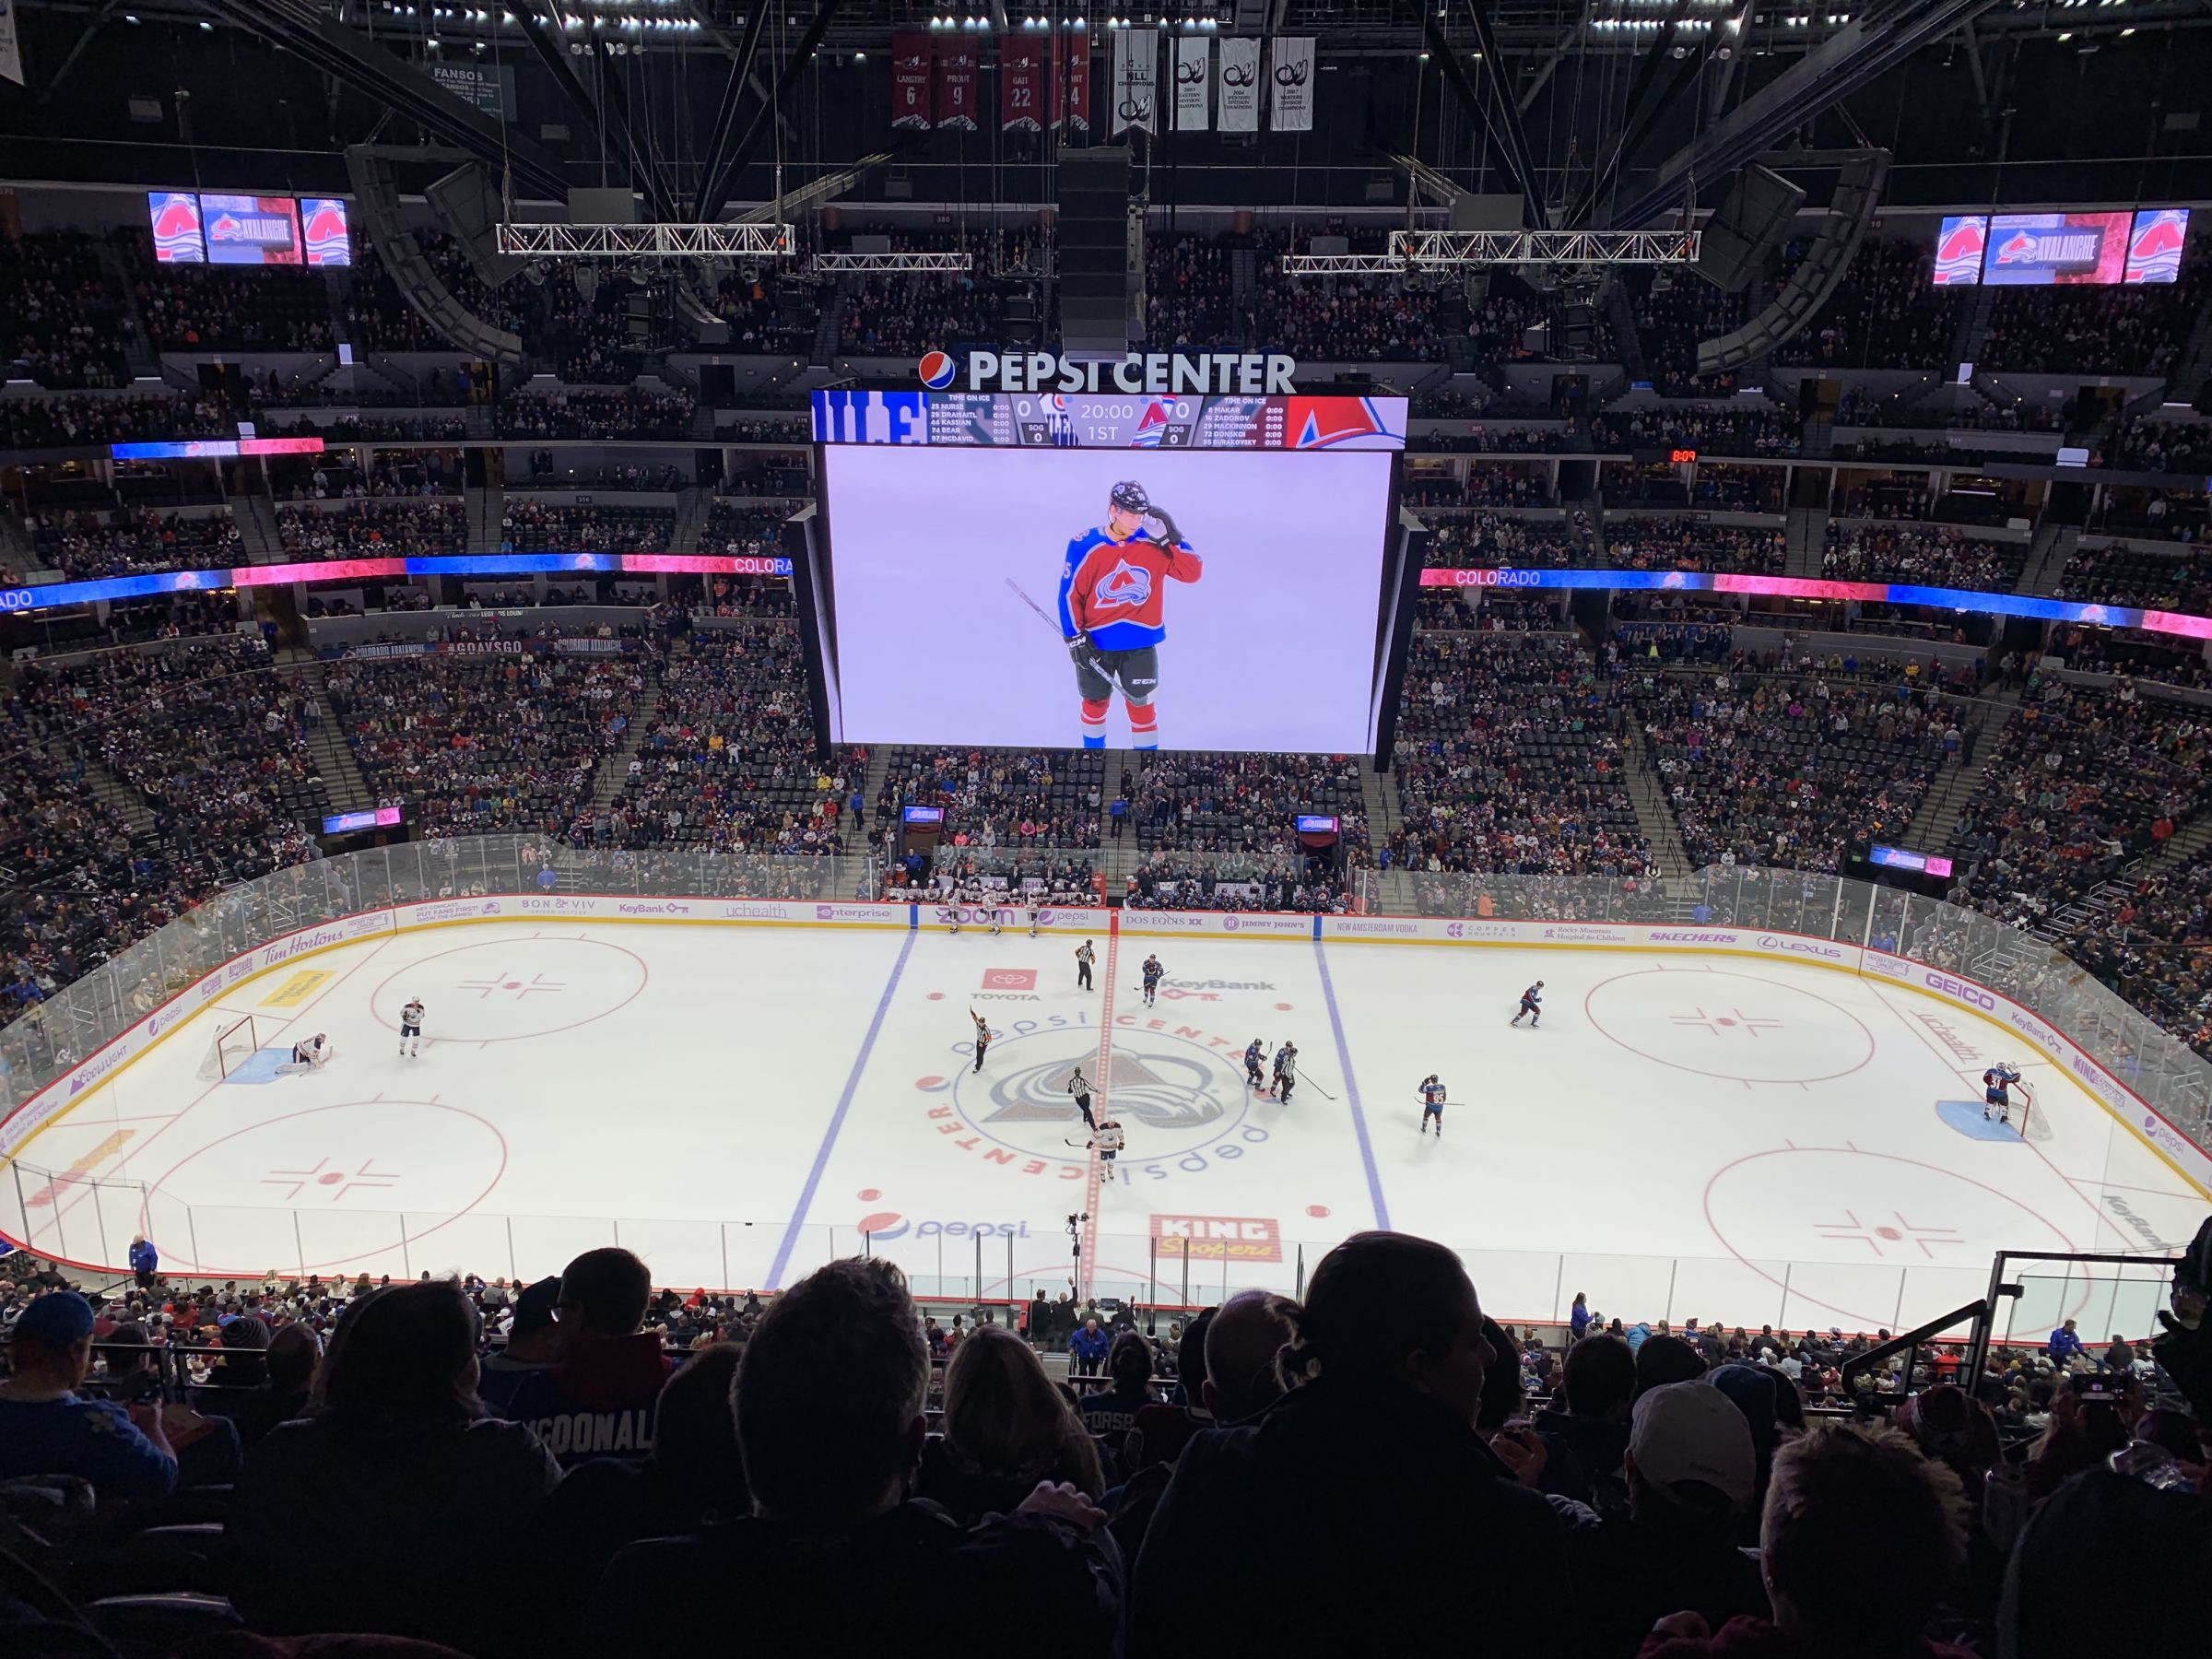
(1113, 609)
(1996, 1089)
(1433, 1104)
(1252, 1056)
(1532, 1006)
(1154, 973)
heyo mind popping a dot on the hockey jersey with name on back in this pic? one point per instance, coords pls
(1115, 590)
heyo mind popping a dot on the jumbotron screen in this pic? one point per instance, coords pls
(1194, 599)
(2042, 250)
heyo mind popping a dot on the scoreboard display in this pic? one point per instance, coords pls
(1108, 421)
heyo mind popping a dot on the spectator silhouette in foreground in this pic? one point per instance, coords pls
(835, 1559)
(598, 1398)
(1007, 1427)
(1862, 1536)
(47, 1428)
(1362, 1500)
(397, 1475)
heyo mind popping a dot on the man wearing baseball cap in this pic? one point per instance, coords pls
(1691, 1477)
(46, 1428)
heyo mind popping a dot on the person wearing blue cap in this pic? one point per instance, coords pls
(47, 1428)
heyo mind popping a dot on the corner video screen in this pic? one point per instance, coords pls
(954, 577)
(2059, 250)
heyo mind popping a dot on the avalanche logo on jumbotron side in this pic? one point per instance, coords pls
(935, 369)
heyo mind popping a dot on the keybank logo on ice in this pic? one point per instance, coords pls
(889, 1224)
(659, 907)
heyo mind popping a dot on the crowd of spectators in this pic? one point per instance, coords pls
(1272, 881)
(1194, 802)
(1479, 538)
(2135, 330)
(1189, 296)
(2153, 946)
(1671, 321)
(212, 744)
(1784, 769)
(2083, 777)
(912, 312)
(373, 529)
(59, 318)
(727, 762)
(261, 308)
(377, 313)
(2112, 572)
(479, 744)
(2141, 444)
(1886, 313)
(82, 422)
(1510, 758)
(132, 541)
(632, 412)
(1937, 556)
(1013, 878)
(999, 798)
(532, 526)
(835, 1459)
(1764, 430)
(1690, 543)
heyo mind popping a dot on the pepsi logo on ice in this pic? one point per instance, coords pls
(936, 369)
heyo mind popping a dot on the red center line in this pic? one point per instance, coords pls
(1094, 1184)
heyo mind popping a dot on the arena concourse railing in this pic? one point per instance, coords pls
(89, 1221)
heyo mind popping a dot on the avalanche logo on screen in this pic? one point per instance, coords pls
(935, 369)
(1960, 249)
(1339, 423)
(176, 222)
(1149, 426)
(2154, 251)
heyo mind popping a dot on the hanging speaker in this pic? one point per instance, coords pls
(1754, 215)
(1858, 189)
(376, 200)
(464, 200)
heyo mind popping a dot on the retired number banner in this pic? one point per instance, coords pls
(910, 82)
(1020, 75)
(956, 85)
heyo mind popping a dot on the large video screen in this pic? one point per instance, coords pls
(244, 230)
(955, 576)
(324, 231)
(174, 216)
(2041, 250)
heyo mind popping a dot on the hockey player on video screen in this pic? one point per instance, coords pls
(1113, 608)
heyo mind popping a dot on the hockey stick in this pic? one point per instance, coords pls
(1318, 1090)
(1038, 609)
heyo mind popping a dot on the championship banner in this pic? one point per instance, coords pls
(11, 49)
(1191, 67)
(1293, 101)
(1020, 69)
(1135, 74)
(955, 86)
(1240, 98)
(910, 82)
(1071, 81)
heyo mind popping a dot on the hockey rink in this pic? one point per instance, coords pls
(1754, 1141)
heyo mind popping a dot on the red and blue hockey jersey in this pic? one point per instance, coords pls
(1115, 590)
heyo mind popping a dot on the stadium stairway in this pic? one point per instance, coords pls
(341, 773)
(138, 351)
(486, 507)
(119, 794)
(2194, 365)
(257, 528)
(692, 505)
(2047, 555)
(1654, 813)
(1974, 325)
(1379, 792)
(1939, 810)
(1806, 540)
(614, 772)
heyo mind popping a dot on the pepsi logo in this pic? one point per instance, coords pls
(935, 369)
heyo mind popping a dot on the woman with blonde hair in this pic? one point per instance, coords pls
(1006, 1427)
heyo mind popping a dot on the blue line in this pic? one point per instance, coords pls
(837, 1120)
(1351, 1088)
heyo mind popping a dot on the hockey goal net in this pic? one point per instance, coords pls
(232, 1045)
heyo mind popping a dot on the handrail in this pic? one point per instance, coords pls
(1860, 1364)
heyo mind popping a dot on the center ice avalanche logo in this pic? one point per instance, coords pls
(1158, 1091)
(1125, 584)
(935, 369)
